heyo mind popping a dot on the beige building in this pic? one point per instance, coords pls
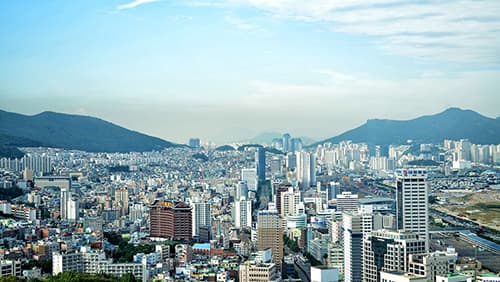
(270, 234)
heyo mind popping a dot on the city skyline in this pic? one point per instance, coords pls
(230, 70)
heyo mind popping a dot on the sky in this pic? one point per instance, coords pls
(226, 70)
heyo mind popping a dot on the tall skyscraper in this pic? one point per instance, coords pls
(286, 142)
(412, 212)
(260, 164)
(355, 226)
(201, 213)
(270, 234)
(171, 220)
(306, 169)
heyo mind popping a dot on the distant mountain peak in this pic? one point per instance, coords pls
(77, 132)
(452, 123)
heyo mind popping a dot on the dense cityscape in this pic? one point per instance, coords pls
(245, 212)
(249, 140)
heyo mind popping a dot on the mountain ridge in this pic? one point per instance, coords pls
(69, 131)
(452, 123)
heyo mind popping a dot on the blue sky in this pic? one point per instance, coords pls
(230, 69)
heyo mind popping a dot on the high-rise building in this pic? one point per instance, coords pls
(282, 187)
(260, 164)
(286, 142)
(387, 250)
(242, 213)
(306, 169)
(412, 212)
(121, 201)
(289, 202)
(194, 142)
(334, 190)
(250, 176)
(201, 216)
(241, 190)
(69, 206)
(270, 234)
(347, 202)
(354, 226)
(170, 220)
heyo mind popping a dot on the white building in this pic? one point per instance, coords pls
(10, 268)
(201, 216)
(306, 169)
(401, 277)
(433, 264)
(324, 274)
(355, 226)
(250, 176)
(389, 251)
(94, 262)
(347, 202)
(242, 213)
(412, 210)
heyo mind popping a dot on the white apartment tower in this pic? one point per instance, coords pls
(242, 213)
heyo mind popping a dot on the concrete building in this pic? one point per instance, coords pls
(260, 164)
(259, 268)
(412, 210)
(389, 251)
(453, 277)
(270, 234)
(355, 226)
(306, 169)
(401, 277)
(242, 213)
(201, 213)
(121, 201)
(94, 262)
(432, 264)
(324, 274)
(347, 202)
(250, 176)
(171, 220)
(10, 268)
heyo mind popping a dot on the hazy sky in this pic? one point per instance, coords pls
(231, 69)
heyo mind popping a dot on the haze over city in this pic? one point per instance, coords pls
(250, 140)
(229, 70)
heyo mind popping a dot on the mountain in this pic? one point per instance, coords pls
(67, 131)
(453, 123)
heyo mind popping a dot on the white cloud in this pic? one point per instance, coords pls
(134, 4)
(239, 23)
(463, 31)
